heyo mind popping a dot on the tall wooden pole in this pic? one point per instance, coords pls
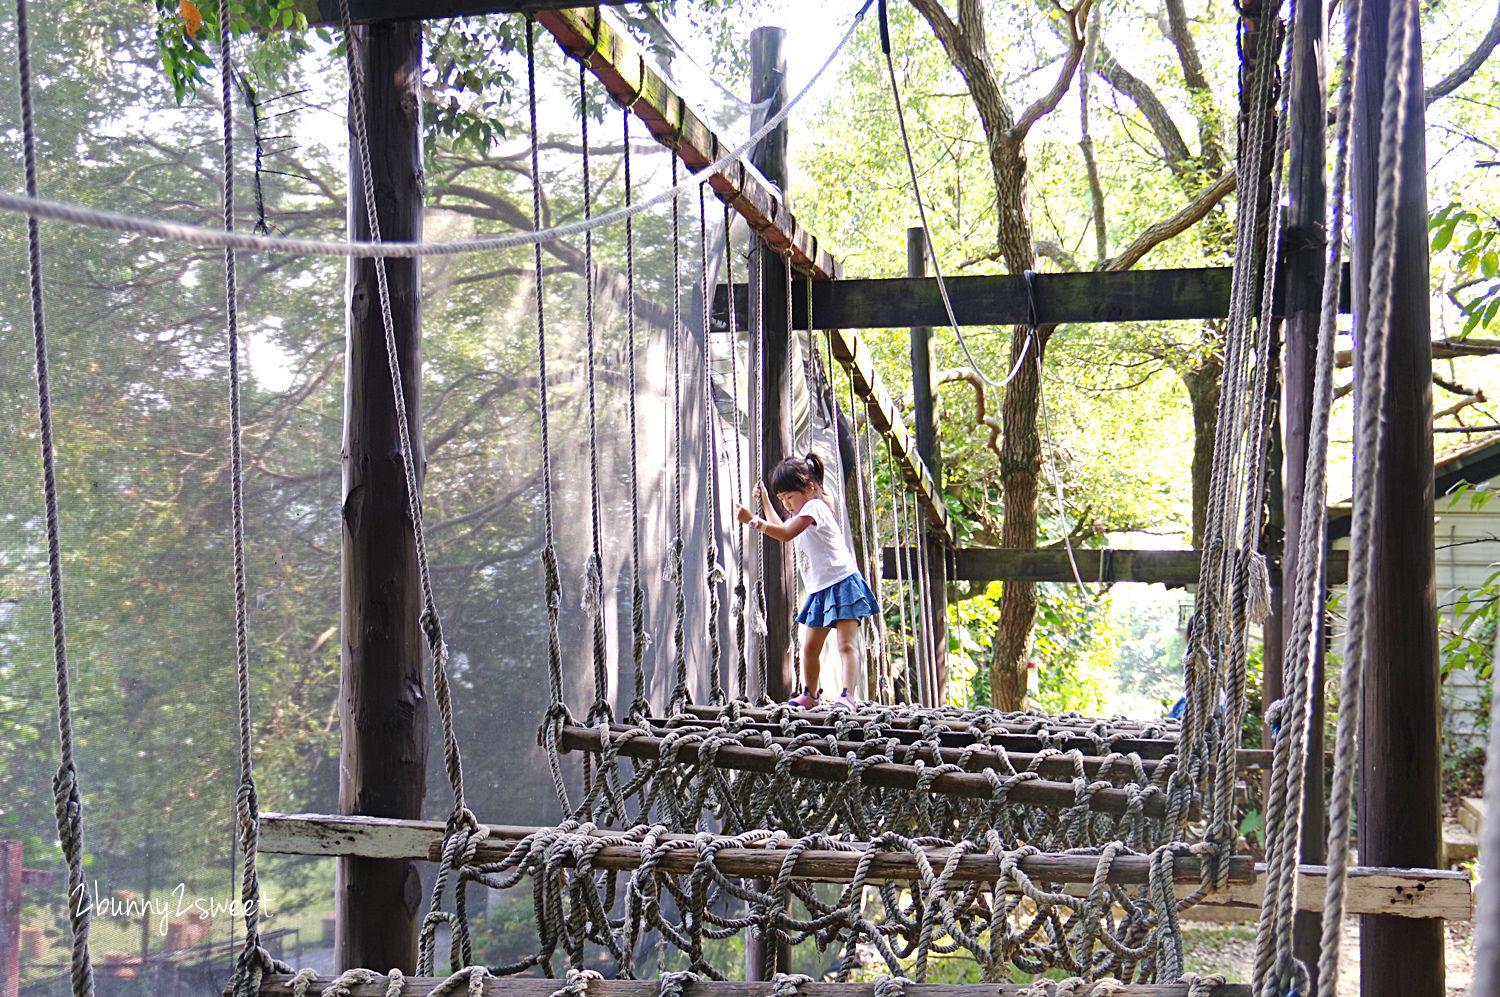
(924, 416)
(1305, 247)
(767, 83)
(1399, 804)
(383, 701)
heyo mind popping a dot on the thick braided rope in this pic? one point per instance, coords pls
(864, 444)
(593, 586)
(713, 574)
(680, 696)
(557, 712)
(741, 590)
(431, 621)
(67, 800)
(639, 706)
(254, 961)
(1370, 362)
(757, 442)
(1309, 581)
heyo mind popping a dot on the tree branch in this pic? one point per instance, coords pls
(1174, 226)
(970, 376)
(1469, 66)
(1047, 103)
(1179, 158)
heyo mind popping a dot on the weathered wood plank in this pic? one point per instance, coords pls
(319, 834)
(968, 785)
(1401, 892)
(421, 986)
(1173, 568)
(1000, 299)
(619, 65)
(1411, 893)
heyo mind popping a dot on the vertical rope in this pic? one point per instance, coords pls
(681, 696)
(66, 797)
(758, 431)
(639, 706)
(557, 712)
(741, 602)
(593, 585)
(713, 571)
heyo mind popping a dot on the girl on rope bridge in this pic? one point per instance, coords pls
(840, 595)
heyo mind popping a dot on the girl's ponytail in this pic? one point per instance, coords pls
(814, 467)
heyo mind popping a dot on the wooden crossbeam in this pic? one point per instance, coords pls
(1173, 568)
(371, 837)
(1437, 893)
(421, 986)
(1001, 299)
(888, 775)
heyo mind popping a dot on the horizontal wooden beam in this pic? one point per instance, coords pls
(373, 837)
(1001, 299)
(1428, 893)
(886, 418)
(326, 12)
(618, 64)
(1173, 568)
(1440, 893)
(890, 775)
(515, 986)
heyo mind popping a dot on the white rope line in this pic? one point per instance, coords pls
(198, 235)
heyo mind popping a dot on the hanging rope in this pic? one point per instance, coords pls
(758, 450)
(66, 797)
(741, 602)
(254, 960)
(557, 712)
(681, 696)
(713, 573)
(593, 585)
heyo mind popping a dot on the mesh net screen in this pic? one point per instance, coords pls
(139, 385)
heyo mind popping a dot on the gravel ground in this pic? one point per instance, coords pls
(1230, 950)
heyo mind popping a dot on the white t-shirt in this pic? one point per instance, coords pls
(822, 556)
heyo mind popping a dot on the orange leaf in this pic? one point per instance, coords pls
(190, 14)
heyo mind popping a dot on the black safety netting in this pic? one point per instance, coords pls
(139, 383)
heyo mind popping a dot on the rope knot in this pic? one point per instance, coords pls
(672, 982)
(593, 585)
(890, 986)
(787, 984)
(576, 983)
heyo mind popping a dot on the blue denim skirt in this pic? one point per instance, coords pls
(847, 599)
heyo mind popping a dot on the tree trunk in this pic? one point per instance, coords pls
(1202, 382)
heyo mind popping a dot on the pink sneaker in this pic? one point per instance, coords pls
(845, 702)
(805, 700)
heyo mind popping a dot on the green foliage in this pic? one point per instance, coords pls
(1472, 239)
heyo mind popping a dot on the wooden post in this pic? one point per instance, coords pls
(1304, 253)
(382, 702)
(767, 79)
(10, 918)
(1399, 805)
(924, 417)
